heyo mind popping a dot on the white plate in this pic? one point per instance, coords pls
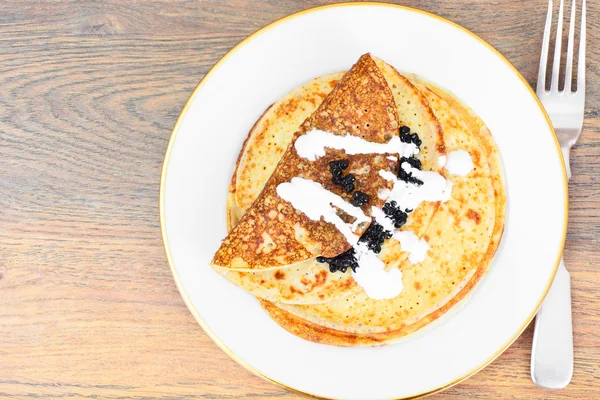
(209, 134)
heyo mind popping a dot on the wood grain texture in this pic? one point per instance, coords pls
(89, 94)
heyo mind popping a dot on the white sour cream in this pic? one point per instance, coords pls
(388, 175)
(312, 145)
(441, 161)
(315, 201)
(409, 242)
(409, 196)
(371, 275)
(459, 163)
(383, 194)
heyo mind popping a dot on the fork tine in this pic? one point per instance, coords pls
(569, 70)
(557, 46)
(541, 81)
(581, 62)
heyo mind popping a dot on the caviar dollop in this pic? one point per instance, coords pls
(347, 182)
(373, 237)
(359, 198)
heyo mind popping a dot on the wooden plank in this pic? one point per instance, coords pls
(90, 93)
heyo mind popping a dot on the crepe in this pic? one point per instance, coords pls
(272, 233)
(311, 282)
(463, 236)
(302, 295)
(307, 282)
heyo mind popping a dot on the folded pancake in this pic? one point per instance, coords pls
(272, 233)
(311, 282)
(268, 140)
(463, 236)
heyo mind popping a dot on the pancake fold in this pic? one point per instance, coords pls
(272, 233)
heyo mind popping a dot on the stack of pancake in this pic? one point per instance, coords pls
(274, 250)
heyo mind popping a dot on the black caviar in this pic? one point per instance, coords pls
(337, 166)
(374, 237)
(341, 262)
(414, 162)
(408, 176)
(407, 137)
(341, 164)
(348, 183)
(395, 213)
(359, 198)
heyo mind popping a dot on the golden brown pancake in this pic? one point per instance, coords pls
(272, 233)
(464, 233)
(311, 282)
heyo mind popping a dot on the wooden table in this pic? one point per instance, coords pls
(89, 94)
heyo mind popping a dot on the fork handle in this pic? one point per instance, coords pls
(552, 349)
(565, 152)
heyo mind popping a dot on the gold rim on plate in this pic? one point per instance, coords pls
(218, 64)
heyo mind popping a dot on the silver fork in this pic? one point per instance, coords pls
(552, 351)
